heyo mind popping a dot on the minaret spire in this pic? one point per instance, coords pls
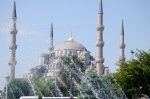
(51, 38)
(101, 7)
(14, 14)
(100, 42)
(12, 60)
(122, 45)
(122, 28)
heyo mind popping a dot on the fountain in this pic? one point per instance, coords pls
(84, 86)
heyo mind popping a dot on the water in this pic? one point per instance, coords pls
(99, 91)
(12, 92)
(32, 87)
(48, 89)
(85, 86)
(64, 86)
(79, 88)
(20, 91)
(56, 86)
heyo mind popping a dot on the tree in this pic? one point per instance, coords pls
(18, 88)
(89, 85)
(133, 75)
(71, 68)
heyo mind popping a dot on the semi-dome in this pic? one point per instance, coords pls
(43, 55)
(70, 45)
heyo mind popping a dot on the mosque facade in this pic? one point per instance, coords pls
(49, 62)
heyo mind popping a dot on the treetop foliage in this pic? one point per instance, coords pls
(133, 75)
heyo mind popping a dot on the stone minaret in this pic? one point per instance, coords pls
(122, 45)
(99, 42)
(12, 60)
(51, 47)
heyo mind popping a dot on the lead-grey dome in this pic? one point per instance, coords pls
(70, 45)
(44, 54)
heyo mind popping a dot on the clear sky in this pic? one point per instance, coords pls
(80, 17)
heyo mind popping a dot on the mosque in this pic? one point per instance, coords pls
(48, 62)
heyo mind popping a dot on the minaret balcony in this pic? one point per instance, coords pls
(122, 58)
(122, 46)
(13, 47)
(99, 43)
(100, 27)
(12, 62)
(99, 60)
(13, 31)
(51, 48)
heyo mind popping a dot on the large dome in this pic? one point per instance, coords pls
(70, 45)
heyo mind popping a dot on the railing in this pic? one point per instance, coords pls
(58, 97)
(29, 97)
(36, 97)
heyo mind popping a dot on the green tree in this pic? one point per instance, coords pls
(18, 88)
(133, 75)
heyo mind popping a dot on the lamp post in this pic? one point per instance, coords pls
(132, 59)
(132, 53)
(7, 81)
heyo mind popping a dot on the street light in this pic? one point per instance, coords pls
(7, 81)
(132, 53)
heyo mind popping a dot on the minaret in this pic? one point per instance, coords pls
(51, 47)
(99, 42)
(12, 60)
(122, 45)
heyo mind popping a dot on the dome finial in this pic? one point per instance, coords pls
(70, 38)
(71, 34)
(31, 65)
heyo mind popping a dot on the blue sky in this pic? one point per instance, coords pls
(80, 17)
